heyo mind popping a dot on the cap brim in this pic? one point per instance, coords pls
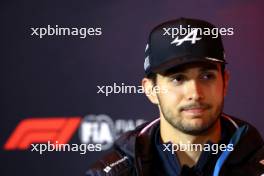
(184, 60)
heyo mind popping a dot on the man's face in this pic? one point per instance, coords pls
(194, 97)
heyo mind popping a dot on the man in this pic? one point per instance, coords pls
(187, 80)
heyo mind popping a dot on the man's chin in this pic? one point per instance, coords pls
(197, 125)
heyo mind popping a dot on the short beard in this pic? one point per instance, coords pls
(177, 124)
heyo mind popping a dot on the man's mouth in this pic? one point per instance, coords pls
(195, 109)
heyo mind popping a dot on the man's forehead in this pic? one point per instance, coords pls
(195, 65)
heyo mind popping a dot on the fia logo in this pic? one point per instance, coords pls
(97, 129)
(192, 36)
(102, 129)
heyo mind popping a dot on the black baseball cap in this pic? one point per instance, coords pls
(182, 41)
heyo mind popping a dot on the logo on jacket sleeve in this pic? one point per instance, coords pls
(107, 169)
(110, 166)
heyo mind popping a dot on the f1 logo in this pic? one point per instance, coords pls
(188, 37)
(41, 130)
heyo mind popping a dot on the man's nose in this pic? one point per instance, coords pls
(194, 91)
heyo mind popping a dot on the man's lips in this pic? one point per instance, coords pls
(195, 110)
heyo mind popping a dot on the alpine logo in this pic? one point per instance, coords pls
(191, 36)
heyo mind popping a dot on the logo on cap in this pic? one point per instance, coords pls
(188, 37)
(147, 46)
(146, 63)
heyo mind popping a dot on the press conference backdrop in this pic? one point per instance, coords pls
(52, 85)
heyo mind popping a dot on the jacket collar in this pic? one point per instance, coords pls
(249, 142)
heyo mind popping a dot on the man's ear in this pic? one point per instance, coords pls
(226, 81)
(149, 89)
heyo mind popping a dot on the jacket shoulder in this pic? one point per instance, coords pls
(257, 160)
(248, 156)
(254, 166)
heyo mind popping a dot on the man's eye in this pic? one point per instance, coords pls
(178, 79)
(208, 76)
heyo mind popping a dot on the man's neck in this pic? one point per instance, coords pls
(188, 157)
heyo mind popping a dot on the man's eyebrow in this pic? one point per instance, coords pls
(209, 67)
(184, 69)
(175, 70)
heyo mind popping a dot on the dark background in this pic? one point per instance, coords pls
(57, 76)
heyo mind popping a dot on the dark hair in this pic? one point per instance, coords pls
(152, 77)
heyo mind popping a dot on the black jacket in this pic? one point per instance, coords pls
(134, 153)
